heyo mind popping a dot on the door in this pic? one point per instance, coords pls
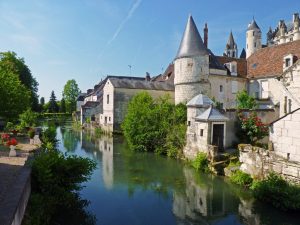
(218, 136)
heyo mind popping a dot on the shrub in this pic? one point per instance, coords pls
(98, 131)
(31, 133)
(278, 192)
(201, 162)
(241, 178)
(28, 119)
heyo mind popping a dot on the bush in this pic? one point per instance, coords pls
(55, 180)
(98, 131)
(200, 163)
(241, 178)
(278, 192)
(28, 119)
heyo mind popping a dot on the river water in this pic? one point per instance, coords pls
(143, 188)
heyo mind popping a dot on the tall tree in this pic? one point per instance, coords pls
(9, 62)
(70, 94)
(62, 107)
(53, 106)
(14, 96)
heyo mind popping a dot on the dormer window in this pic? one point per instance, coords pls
(287, 61)
(232, 66)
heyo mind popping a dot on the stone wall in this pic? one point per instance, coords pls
(258, 162)
(285, 136)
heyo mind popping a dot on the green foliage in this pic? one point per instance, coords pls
(56, 180)
(98, 131)
(252, 129)
(241, 178)
(15, 97)
(88, 120)
(53, 106)
(62, 106)
(9, 127)
(155, 125)
(245, 101)
(278, 192)
(48, 138)
(28, 118)
(70, 94)
(200, 163)
(11, 64)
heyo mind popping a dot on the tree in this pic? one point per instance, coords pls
(53, 107)
(245, 101)
(14, 96)
(155, 125)
(62, 107)
(9, 62)
(70, 94)
(42, 103)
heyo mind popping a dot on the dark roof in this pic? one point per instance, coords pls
(243, 54)
(90, 104)
(168, 75)
(253, 25)
(269, 61)
(141, 84)
(191, 43)
(241, 64)
(214, 63)
(81, 97)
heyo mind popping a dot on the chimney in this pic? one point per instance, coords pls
(205, 35)
(147, 78)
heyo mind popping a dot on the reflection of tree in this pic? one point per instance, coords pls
(70, 140)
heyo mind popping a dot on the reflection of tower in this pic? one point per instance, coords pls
(200, 202)
(106, 147)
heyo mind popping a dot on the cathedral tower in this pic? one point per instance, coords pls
(253, 38)
(191, 65)
(231, 49)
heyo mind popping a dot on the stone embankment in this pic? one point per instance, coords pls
(15, 184)
(258, 162)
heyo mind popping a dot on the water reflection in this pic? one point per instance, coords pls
(150, 189)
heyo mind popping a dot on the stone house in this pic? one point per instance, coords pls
(118, 91)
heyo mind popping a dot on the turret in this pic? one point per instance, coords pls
(231, 47)
(282, 31)
(270, 37)
(191, 65)
(253, 38)
(296, 22)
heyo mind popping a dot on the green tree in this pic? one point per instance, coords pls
(9, 62)
(42, 103)
(14, 96)
(62, 107)
(150, 125)
(70, 94)
(53, 106)
(28, 118)
(245, 101)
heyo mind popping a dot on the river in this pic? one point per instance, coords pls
(144, 188)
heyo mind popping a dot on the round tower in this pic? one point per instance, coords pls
(191, 65)
(253, 38)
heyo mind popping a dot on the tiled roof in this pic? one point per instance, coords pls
(268, 61)
(211, 114)
(200, 100)
(141, 84)
(241, 64)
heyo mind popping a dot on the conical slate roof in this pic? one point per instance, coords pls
(191, 43)
(211, 114)
(200, 100)
(230, 43)
(243, 54)
(253, 25)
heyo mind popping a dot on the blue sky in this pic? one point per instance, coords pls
(87, 39)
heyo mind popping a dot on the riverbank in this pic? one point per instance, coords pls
(15, 183)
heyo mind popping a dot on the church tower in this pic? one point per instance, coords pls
(253, 38)
(191, 65)
(231, 49)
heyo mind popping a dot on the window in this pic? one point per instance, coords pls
(254, 44)
(221, 88)
(233, 68)
(264, 89)
(290, 105)
(189, 123)
(201, 132)
(287, 62)
(234, 87)
(108, 118)
(253, 33)
(107, 98)
(285, 105)
(233, 55)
